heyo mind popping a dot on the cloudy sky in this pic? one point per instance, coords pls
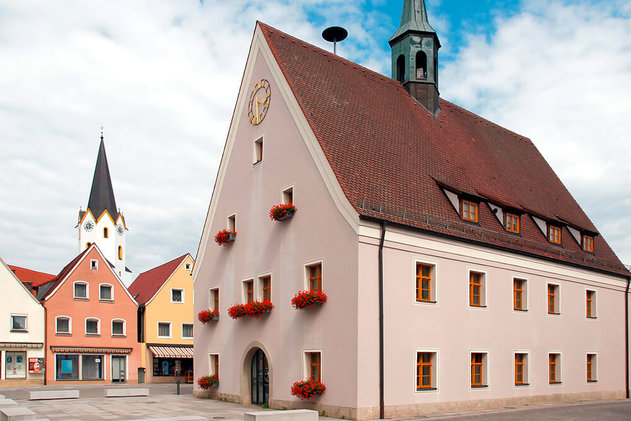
(162, 77)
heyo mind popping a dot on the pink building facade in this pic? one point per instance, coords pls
(91, 326)
(435, 302)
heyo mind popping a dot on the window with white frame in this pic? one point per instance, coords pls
(214, 299)
(81, 290)
(106, 292)
(314, 276)
(426, 370)
(232, 222)
(164, 329)
(214, 364)
(94, 264)
(554, 299)
(258, 150)
(425, 282)
(92, 326)
(187, 330)
(248, 291)
(521, 368)
(477, 289)
(288, 195)
(18, 323)
(590, 304)
(265, 287)
(479, 367)
(591, 372)
(313, 365)
(554, 368)
(177, 295)
(520, 294)
(63, 325)
(187, 266)
(118, 327)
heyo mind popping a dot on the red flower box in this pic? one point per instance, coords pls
(206, 382)
(257, 308)
(225, 236)
(236, 311)
(205, 316)
(305, 299)
(282, 211)
(308, 389)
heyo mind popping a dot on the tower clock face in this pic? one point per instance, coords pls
(88, 226)
(119, 229)
(259, 102)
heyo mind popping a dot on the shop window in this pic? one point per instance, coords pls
(63, 325)
(92, 367)
(106, 292)
(67, 367)
(164, 329)
(14, 365)
(18, 323)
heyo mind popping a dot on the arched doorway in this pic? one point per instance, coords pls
(259, 378)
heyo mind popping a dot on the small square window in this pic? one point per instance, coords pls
(591, 368)
(478, 369)
(469, 211)
(314, 277)
(265, 288)
(62, 325)
(425, 370)
(554, 234)
(314, 365)
(554, 368)
(105, 293)
(187, 331)
(248, 291)
(512, 223)
(553, 299)
(188, 267)
(425, 283)
(521, 369)
(177, 295)
(118, 328)
(80, 290)
(18, 323)
(477, 292)
(519, 294)
(164, 330)
(258, 150)
(94, 264)
(588, 243)
(590, 304)
(92, 327)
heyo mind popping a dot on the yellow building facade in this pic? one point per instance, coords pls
(165, 318)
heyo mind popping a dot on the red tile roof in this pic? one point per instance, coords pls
(390, 155)
(148, 283)
(32, 277)
(45, 289)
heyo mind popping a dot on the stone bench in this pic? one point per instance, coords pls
(290, 415)
(36, 395)
(123, 393)
(7, 402)
(16, 413)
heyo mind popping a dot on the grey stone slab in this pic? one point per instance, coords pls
(120, 393)
(16, 413)
(53, 394)
(7, 402)
(291, 415)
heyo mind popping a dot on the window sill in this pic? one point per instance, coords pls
(522, 384)
(257, 162)
(96, 335)
(482, 386)
(81, 298)
(476, 306)
(554, 314)
(592, 381)
(426, 389)
(523, 310)
(592, 317)
(103, 300)
(18, 331)
(118, 336)
(185, 338)
(63, 333)
(555, 382)
(426, 302)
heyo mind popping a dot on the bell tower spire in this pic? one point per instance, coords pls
(415, 55)
(102, 222)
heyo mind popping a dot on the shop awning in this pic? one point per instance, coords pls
(171, 351)
(85, 350)
(21, 344)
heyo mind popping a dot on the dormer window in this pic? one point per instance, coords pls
(554, 234)
(588, 243)
(512, 223)
(469, 211)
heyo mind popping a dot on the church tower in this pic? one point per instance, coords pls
(102, 222)
(415, 55)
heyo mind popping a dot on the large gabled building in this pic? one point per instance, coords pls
(460, 272)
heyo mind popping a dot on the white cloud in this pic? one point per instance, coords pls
(561, 75)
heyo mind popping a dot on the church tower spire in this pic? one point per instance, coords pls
(102, 222)
(415, 55)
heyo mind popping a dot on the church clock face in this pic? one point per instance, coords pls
(119, 229)
(88, 226)
(259, 102)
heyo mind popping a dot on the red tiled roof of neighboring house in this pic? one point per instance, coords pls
(393, 159)
(148, 283)
(48, 287)
(32, 277)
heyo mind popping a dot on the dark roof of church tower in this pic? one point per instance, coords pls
(102, 193)
(413, 19)
(394, 161)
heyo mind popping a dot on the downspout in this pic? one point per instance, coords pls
(45, 342)
(626, 336)
(381, 334)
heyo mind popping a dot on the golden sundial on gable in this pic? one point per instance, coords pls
(259, 102)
